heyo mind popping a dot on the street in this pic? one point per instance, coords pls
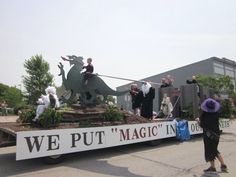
(170, 159)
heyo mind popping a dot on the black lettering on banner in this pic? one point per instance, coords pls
(195, 127)
(149, 131)
(100, 133)
(75, 137)
(142, 132)
(153, 129)
(135, 134)
(227, 123)
(86, 137)
(224, 124)
(35, 143)
(170, 129)
(124, 135)
(52, 142)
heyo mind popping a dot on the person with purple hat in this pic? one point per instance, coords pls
(209, 121)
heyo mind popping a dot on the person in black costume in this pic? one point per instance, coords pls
(88, 71)
(194, 81)
(209, 121)
(169, 80)
(136, 99)
(164, 83)
(148, 94)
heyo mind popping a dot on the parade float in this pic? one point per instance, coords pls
(89, 123)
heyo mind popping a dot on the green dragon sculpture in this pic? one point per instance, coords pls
(88, 93)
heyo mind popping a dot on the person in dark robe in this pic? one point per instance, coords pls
(136, 99)
(194, 81)
(148, 94)
(209, 121)
(164, 83)
(169, 80)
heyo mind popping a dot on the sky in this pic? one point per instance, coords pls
(132, 39)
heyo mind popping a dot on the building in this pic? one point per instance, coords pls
(213, 67)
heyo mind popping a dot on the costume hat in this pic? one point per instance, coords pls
(210, 105)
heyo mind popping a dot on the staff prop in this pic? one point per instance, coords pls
(132, 80)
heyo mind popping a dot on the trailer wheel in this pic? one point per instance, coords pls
(54, 159)
(154, 142)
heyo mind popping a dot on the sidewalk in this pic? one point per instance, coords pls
(4, 119)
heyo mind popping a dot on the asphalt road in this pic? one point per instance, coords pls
(170, 159)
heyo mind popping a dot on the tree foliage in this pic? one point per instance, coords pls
(37, 78)
(14, 97)
(3, 89)
(226, 108)
(11, 95)
(220, 84)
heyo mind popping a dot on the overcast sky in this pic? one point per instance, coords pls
(126, 38)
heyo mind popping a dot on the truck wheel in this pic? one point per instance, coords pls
(54, 159)
(154, 142)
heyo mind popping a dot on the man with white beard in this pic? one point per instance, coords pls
(50, 99)
(148, 94)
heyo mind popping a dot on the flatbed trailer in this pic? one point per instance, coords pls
(53, 143)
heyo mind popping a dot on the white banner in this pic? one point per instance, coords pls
(194, 128)
(32, 144)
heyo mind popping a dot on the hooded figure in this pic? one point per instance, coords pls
(148, 94)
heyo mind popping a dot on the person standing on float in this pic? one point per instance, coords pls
(148, 94)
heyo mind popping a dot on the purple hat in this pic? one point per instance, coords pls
(210, 105)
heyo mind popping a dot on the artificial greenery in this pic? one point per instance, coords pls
(234, 112)
(85, 123)
(50, 118)
(112, 113)
(187, 112)
(27, 115)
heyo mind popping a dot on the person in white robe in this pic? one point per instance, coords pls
(50, 99)
(166, 106)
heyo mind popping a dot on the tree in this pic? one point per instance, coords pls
(14, 97)
(38, 77)
(11, 95)
(3, 89)
(220, 84)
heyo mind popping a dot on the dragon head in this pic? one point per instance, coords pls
(74, 60)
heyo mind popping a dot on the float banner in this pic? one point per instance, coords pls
(33, 144)
(194, 127)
